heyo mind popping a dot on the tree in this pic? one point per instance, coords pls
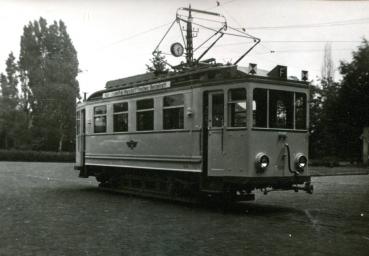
(8, 103)
(158, 64)
(315, 142)
(343, 111)
(328, 67)
(48, 67)
(323, 111)
(353, 101)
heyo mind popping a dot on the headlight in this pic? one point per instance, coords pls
(262, 161)
(300, 162)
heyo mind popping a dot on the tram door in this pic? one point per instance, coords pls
(81, 130)
(215, 133)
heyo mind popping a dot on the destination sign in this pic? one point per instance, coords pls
(138, 89)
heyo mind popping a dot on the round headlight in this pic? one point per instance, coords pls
(300, 162)
(262, 161)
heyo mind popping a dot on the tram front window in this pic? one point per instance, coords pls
(280, 109)
(300, 112)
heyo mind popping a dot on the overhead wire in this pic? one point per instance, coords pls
(221, 5)
(333, 23)
(136, 35)
(152, 29)
(306, 50)
(295, 41)
(242, 27)
(314, 25)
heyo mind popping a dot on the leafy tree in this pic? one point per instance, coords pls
(329, 118)
(11, 91)
(48, 69)
(352, 110)
(340, 111)
(8, 103)
(315, 142)
(158, 64)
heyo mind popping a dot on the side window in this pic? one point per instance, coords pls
(280, 109)
(120, 117)
(300, 111)
(99, 119)
(173, 112)
(237, 107)
(145, 115)
(259, 108)
(78, 122)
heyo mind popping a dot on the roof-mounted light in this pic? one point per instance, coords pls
(252, 68)
(304, 75)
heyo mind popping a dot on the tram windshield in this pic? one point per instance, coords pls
(279, 109)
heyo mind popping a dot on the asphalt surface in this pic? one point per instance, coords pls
(46, 210)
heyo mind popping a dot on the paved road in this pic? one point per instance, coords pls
(46, 210)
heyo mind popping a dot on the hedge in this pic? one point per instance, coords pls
(36, 156)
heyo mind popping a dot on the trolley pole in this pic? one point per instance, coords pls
(189, 49)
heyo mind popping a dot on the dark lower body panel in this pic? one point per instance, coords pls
(238, 188)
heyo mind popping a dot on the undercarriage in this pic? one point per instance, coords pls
(190, 187)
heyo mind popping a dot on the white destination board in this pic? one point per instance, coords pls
(138, 89)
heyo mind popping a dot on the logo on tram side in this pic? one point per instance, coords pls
(143, 88)
(132, 144)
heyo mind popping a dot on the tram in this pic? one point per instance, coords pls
(202, 129)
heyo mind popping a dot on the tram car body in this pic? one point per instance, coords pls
(218, 129)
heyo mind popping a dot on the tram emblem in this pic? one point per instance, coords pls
(132, 144)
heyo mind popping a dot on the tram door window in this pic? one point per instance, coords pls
(280, 109)
(300, 111)
(260, 107)
(173, 112)
(145, 115)
(237, 107)
(120, 118)
(78, 122)
(78, 129)
(215, 136)
(100, 119)
(80, 139)
(217, 110)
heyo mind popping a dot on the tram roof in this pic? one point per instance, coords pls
(202, 74)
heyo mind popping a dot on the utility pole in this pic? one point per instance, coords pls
(189, 49)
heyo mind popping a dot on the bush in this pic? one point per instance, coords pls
(36, 156)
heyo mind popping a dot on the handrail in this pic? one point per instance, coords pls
(289, 160)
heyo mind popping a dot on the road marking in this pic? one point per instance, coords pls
(312, 220)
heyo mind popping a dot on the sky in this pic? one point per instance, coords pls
(115, 39)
